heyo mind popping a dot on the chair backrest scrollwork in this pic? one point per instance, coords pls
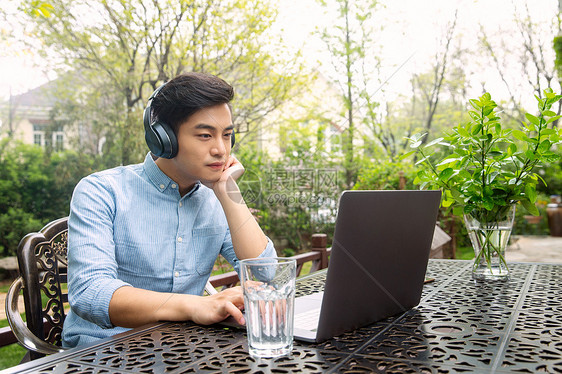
(43, 267)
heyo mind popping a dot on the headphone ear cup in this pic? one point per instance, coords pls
(232, 139)
(153, 141)
(164, 142)
(160, 137)
(151, 136)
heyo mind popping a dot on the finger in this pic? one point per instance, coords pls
(234, 295)
(231, 160)
(235, 171)
(232, 310)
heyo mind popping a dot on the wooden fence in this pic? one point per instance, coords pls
(318, 256)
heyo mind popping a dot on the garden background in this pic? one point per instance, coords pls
(326, 93)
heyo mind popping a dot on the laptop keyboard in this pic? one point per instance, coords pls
(307, 320)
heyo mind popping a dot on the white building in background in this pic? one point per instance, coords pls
(29, 118)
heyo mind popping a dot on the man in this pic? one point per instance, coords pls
(143, 238)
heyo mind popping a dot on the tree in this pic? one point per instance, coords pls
(430, 85)
(524, 63)
(35, 188)
(124, 49)
(350, 43)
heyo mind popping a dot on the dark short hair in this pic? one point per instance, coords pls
(187, 93)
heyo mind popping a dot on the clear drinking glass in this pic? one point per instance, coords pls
(269, 294)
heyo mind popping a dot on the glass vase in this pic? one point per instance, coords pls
(489, 233)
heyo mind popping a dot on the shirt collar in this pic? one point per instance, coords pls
(160, 180)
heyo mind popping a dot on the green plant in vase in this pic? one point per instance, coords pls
(487, 171)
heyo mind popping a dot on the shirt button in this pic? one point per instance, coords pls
(181, 204)
(162, 186)
(180, 239)
(174, 185)
(176, 274)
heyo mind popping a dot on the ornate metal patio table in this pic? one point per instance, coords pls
(459, 326)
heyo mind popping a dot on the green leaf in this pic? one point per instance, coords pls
(520, 135)
(462, 131)
(475, 116)
(547, 132)
(447, 161)
(476, 129)
(446, 174)
(531, 118)
(492, 176)
(552, 119)
(475, 104)
(489, 205)
(530, 155)
(551, 157)
(552, 98)
(458, 210)
(548, 113)
(465, 174)
(417, 136)
(531, 192)
(529, 207)
(406, 155)
(433, 142)
(499, 193)
(544, 146)
(416, 144)
(511, 150)
(422, 160)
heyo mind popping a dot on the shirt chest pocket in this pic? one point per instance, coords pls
(207, 243)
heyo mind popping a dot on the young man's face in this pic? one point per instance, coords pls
(203, 147)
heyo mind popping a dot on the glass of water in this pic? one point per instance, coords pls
(269, 295)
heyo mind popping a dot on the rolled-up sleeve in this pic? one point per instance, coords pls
(227, 251)
(92, 267)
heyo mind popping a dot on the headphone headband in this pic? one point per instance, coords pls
(160, 137)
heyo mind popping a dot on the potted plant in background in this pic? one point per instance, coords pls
(487, 171)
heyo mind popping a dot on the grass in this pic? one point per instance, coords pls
(306, 268)
(11, 355)
(4, 287)
(465, 253)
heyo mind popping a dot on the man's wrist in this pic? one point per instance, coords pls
(228, 190)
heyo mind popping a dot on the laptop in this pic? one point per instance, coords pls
(377, 267)
(380, 252)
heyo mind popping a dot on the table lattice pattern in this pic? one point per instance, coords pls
(459, 326)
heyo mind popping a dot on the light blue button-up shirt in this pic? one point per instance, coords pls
(129, 226)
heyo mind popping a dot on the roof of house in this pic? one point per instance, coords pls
(42, 96)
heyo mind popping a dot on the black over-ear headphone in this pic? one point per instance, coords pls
(160, 136)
